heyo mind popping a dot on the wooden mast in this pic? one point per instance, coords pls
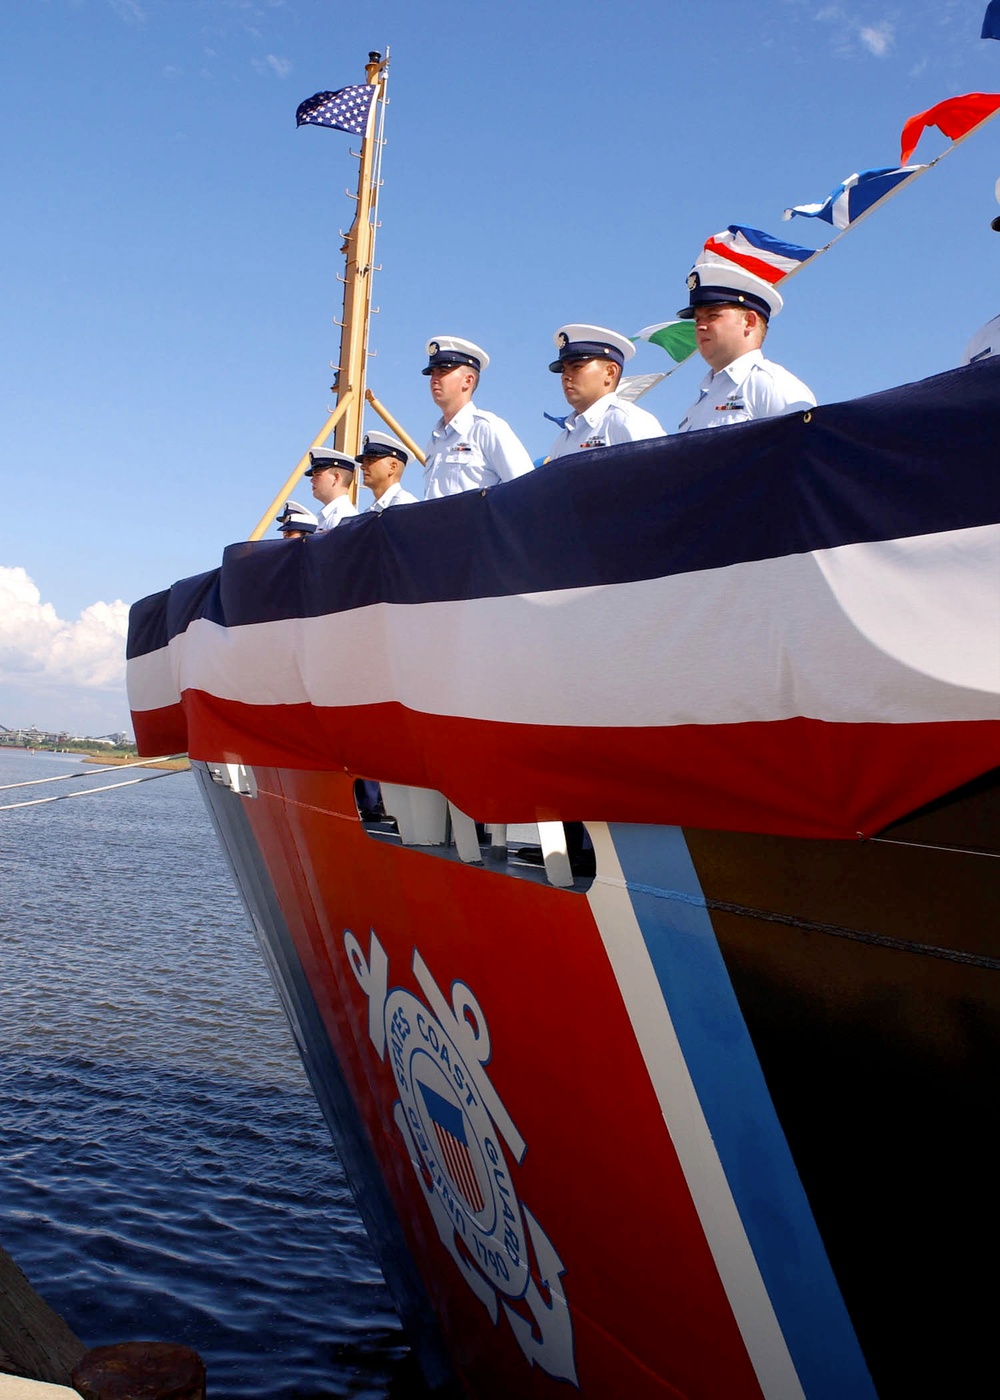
(359, 254)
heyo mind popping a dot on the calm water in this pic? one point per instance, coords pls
(164, 1170)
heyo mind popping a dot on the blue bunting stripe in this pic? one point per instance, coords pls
(881, 468)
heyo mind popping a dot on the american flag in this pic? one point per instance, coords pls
(449, 1129)
(346, 110)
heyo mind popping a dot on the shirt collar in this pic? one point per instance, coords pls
(737, 371)
(593, 415)
(461, 423)
(387, 497)
(335, 507)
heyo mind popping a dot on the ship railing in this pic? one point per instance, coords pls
(236, 776)
(424, 817)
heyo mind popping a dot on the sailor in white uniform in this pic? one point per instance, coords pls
(332, 475)
(382, 460)
(590, 361)
(296, 521)
(469, 448)
(985, 342)
(731, 309)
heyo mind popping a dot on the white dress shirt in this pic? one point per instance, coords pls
(751, 387)
(334, 512)
(608, 421)
(984, 343)
(473, 450)
(395, 496)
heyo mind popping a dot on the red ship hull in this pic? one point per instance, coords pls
(601, 1219)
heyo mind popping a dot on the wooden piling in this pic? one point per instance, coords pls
(34, 1340)
(36, 1344)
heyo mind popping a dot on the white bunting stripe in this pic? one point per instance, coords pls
(896, 632)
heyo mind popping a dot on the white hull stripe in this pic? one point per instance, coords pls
(723, 1126)
(904, 631)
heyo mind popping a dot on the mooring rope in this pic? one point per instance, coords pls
(93, 772)
(86, 792)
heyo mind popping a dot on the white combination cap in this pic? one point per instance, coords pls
(450, 350)
(727, 283)
(322, 457)
(590, 343)
(296, 517)
(382, 445)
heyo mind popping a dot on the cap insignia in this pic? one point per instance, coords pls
(693, 281)
(563, 340)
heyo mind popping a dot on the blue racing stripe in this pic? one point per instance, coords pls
(670, 910)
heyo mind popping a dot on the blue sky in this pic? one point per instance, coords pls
(171, 246)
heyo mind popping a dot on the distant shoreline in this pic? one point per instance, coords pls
(114, 759)
(118, 760)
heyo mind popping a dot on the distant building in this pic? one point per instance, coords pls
(33, 738)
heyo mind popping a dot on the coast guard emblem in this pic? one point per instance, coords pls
(461, 1139)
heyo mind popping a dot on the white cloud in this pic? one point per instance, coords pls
(877, 38)
(129, 10)
(849, 34)
(281, 67)
(39, 647)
